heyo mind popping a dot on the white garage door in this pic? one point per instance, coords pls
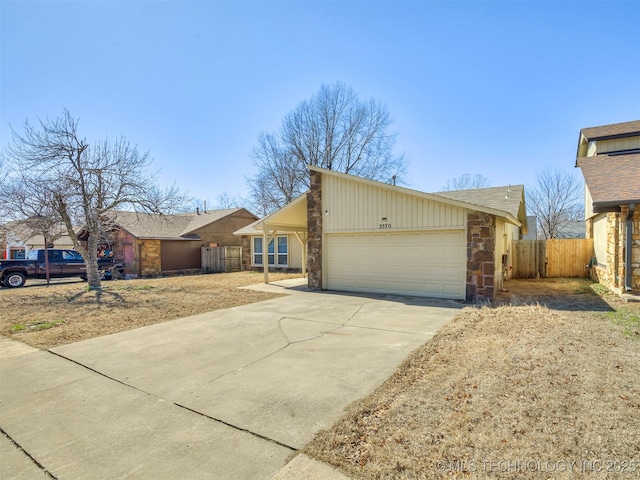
(429, 264)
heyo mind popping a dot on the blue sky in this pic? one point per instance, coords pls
(498, 88)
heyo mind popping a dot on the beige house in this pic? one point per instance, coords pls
(609, 157)
(366, 236)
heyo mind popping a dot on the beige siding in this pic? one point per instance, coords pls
(605, 146)
(356, 207)
(295, 252)
(588, 203)
(506, 233)
(600, 238)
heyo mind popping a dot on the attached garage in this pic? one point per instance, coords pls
(366, 236)
(423, 263)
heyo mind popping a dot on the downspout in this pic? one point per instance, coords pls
(628, 248)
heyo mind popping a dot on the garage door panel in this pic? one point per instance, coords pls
(425, 263)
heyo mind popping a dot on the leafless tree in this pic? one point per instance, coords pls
(556, 199)
(467, 181)
(333, 130)
(85, 184)
(226, 200)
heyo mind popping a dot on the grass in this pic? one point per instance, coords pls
(505, 392)
(36, 327)
(121, 305)
(628, 319)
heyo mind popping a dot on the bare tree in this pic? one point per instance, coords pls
(226, 200)
(556, 199)
(85, 184)
(466, 182)
(333, 130)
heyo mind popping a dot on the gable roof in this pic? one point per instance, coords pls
(250, 229)
(179, 227)
(507, 202)
(599, 172)
(615, 130)
(506, 199)
(482, 206)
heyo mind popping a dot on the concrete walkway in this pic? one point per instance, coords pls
(228, 394)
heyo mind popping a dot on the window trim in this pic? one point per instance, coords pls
(271, 257)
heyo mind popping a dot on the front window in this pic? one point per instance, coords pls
(277, 251)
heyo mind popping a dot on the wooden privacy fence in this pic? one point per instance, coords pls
(221, 259)
(558, 257)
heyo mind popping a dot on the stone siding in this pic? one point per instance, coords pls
(245, 242)
(150, 258)
(481, 241)
(635, 252)
(613, 275)
(314, 226)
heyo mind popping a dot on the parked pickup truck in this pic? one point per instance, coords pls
(62, 263)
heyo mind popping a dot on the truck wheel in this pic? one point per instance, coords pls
(14, 280)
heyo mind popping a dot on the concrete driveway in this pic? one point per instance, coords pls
(228, 394)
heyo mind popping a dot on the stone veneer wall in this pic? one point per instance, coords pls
(245, 242)
(481, 258)
(613, 274)
(314, 226)
(150, 259)
(635, 252)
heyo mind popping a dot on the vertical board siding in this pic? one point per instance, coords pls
(569, 257)
(563, 257)
(354, 206)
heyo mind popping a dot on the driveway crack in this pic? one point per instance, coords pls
(289, 342)
(31, 457)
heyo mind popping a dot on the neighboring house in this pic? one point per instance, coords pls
(149, 245)
(609, 157)
(366, 236)
(532, 228)
(16, 240)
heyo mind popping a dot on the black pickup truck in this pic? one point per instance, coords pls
(62, 263)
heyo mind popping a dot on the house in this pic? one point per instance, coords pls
(365, 236)
(149, 245)
(16, 239)
(609, 157)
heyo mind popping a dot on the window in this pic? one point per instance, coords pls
(277, 252)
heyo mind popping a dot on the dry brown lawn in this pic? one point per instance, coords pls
(28, 313)
(521, 390)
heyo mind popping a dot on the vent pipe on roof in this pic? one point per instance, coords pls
(629, 249)
(197, 210)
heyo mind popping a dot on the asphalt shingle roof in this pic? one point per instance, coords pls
(506, 199)
(612, 178)
(613, 130)
(145, 225)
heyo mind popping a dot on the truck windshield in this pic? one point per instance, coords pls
(33, 255)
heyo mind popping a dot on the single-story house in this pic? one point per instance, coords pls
(16, 239)
(609, 157)
(149, 245)
(366, 236)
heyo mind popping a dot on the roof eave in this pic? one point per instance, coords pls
(417, 193)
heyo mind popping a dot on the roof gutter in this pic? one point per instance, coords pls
(628, 249)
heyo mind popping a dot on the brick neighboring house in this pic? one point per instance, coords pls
(609, 157)
(150, 245)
